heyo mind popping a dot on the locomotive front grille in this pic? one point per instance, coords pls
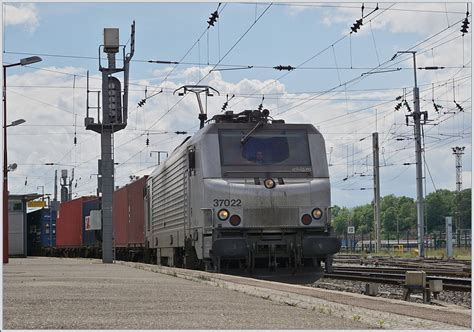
(268, 217)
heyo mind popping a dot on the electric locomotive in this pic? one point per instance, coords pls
(244, 190)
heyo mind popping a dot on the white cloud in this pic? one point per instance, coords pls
(25, 14)
(425, 18)
(30, 145)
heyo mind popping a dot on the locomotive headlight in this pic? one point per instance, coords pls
(235, 220)
(317, 213)
(269, 183)
(223, 214)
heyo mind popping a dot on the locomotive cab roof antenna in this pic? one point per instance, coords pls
(198, 89)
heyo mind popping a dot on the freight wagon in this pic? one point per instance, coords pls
(75, 240)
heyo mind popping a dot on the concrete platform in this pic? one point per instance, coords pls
(62, 293)
(376, 311)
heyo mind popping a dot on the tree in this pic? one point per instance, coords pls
(362, 218)
(438, 205)
(402, 210)
(340, 221)
(465, 205)
(389, 219)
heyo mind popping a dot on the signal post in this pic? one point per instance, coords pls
(114, 118)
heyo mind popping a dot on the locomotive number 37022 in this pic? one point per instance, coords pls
(226, 202)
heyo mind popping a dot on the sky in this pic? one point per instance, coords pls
(343, 83)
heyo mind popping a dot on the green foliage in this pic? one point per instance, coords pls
(438, 205)
(362, 217)
(465, 205)
(340, 221)
(402, 211)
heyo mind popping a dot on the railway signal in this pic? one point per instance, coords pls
(113, 118)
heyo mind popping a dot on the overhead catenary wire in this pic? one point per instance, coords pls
(345, 87)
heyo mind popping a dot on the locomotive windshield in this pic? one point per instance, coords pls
(265, 147)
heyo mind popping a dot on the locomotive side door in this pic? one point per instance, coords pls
(192, 233)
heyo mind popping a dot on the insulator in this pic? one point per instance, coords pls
(465, 25)
(225, 105)
(213, 18)
(147, 141)
(460, 108)
(280, 67)
(356, 25)
(75, 140)
(407, 106)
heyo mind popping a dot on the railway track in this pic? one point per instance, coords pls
(437, 265)
(394, 276)
(402, 270)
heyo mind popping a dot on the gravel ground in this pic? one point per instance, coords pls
(392, 291)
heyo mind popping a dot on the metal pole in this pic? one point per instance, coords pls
(375, 145)
(5, 171)
(25, 61)
(419, 171)
(398, 234)
(107, 170)
(107, 192)
(449, 237)
(55, 185)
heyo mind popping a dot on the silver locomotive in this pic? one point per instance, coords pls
(246, 190)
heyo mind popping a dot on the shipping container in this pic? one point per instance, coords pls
(89, 237)
(70, 222)
(41, 225)
(128, 214)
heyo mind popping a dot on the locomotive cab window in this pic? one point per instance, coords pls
(265, 150)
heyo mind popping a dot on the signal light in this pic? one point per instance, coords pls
(465, 26)
(213, 18)
(356, 25)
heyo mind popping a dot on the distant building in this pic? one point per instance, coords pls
(17, 229)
